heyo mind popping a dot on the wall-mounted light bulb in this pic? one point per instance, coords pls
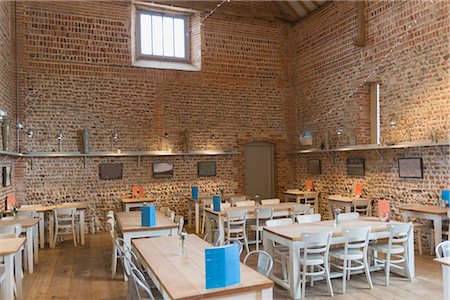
(166, 135)
(60, 136)
(213, 137)
(115, 136)
(20, 126)
(30, 133)
(339, 130)
(392, 123)
(3, 114)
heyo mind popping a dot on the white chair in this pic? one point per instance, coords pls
(362, 206)
(281, 251)
(270, 201)
(171, 215)
(419, 230)
(443, 249)
(354, 251)
(300, 209)
(347, 216)
(245, 203)
(235, 199)
(225, 205)
(236, 228)
(216, 235)
(64, 219)
(116, 255)
(26, 214)
(309, 218)
(396, 246)
(138, 287)
(206, 203)
(240, 246)
(315, 255)
(262, 215)
(312, 198)
(9, 232)
(265, 261)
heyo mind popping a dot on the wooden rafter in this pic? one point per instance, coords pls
(302, 4)
(298, 8)
(360, 39)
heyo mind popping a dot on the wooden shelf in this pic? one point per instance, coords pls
(11, 153)
(402, 145)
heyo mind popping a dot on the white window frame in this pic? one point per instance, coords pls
(141, 56)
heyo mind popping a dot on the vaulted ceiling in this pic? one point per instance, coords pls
(288, 11)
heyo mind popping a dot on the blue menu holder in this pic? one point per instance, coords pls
(222, 266)
(194, 192)
(446, 196)
(216, 203)
(148, 216)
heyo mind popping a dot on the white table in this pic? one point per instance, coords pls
(429, 212)
(445, 262)
(280, 210)
(11, 250)
(183, 277)
(135, 202)
(289, 235)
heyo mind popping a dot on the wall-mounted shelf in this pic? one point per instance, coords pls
(402, 145)
(11, 153)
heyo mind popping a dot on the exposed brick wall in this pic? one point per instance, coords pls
(415, 90)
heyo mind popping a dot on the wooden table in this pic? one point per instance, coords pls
(30, 228)
(280, 210)
(135, 202)
(299, 196)
(183, 277)
(445, 262)
(10, 249)
(129, 223)
(289, 235)
(338, 200)
(428, 212)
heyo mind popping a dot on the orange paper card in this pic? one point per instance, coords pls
(358, 189)
(384, 210)
(10, 202)
(134, 191)
(309, 185)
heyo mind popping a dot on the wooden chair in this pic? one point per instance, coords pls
(265, 261)
(64, 220)
(262, 215)
(270, 201)
(443, 249)
(309, 218)
(236, 228)
(245, 203)
(281, 251)
(315, 255)
(347, 216)
(354, 252)
(362, 206)
(395, 250)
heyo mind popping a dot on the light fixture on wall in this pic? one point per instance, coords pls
(213, 137)
(20, 126)
(3, 114)
(60, 137)
(114, 138)
(339, 131)
(166, 135)
(30, 133)
(392, 123)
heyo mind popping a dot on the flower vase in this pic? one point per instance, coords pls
(182, 248)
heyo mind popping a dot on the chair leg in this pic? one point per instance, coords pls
(74, 235)
(406, 264)
(387, 267)
(419, 240)
(344, 276)
(257, 239)
(367, 271)
(327, 276)
(246, 242)
(305, 268)
(284, 267)
(202, 230)
(432, 242)
(114, 262)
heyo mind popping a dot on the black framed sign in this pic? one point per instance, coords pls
(355, 167)
(162, 170)
(410, 167)
(207, 168)
(314, 167)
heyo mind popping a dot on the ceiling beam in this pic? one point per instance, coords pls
(298, 8)
(360, 39)
(287, 11)
(317, 4)
(303, 5)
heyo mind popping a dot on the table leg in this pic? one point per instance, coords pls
(41, 229)
(208, 229)
(330, 210)
(347, 208)
(446, 280)
(189, 212)
(221, 225)
(437, 223)
(51, 229)
(9, 276)
(18, 273)
(294, 272)
(29, 235)
(197, 217)
(82, 226)
(127, 207)
(267, 294)
(36, 243)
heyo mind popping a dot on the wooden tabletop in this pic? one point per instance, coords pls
(251, 209)
(293, 231)
(444, 261)
(341, 198)
(297, 192)
(131, 221)
(225, 197)
(10, 246)
(183, 277)
(25, 223)
(44, 208)
(429, 209)
(137, 200)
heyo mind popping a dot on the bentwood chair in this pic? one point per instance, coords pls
(281, 251)
(265, 261)
(443, 249)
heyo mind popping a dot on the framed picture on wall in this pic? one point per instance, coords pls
(162, 170)
(110, 171)
(207, 168)
(313, 166)
(410, 168)
(6, 172)
(355, 167)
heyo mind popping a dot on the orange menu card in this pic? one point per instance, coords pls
(10, 202)
(358, 190)
(137, 191)
(309, 185)
(384, 210)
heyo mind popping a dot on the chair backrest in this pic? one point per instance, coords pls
(26, 214)
(356, 238)
(112, 227)
(225, 205)
(443, 249)
(316, 242)
(235, 199)
(110, 214)
(216, 236)
(236, 217)
(309, 218)
(399, 233)
(264, 214)
(292, 190)
(240, 246)
(206, 203)
(64, 213)
(136, 284)
(347, 216)
(362, 206)
(270, 201)
(300, 209)
(279, 222)
(245, 203)
(178, 218)
(265, 261)
(11, 229)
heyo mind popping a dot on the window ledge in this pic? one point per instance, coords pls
(165, 65)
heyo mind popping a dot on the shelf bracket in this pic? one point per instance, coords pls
(84, 159)
(139, 161)
(32, 163)
(442, 151)
(381, 154)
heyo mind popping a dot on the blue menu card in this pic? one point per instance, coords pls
(216, 203)
(194, 192)
(222, 266)
(148, 216)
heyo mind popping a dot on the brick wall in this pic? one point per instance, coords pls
(329, 71)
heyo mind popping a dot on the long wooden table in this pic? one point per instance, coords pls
(289, 235)
(183, 277)
(338, 200)
(30, 228)
(301, 195)
(429, 212)
(445, 262)
(280, 210)
(10, 249)
(135, 202)
(129, 223)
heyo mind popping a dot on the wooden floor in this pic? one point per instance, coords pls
(83, 273)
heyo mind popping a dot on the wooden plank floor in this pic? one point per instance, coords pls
(83, 273)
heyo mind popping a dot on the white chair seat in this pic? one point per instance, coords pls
(254, 228)
(384, 248)
(312, 259)
(234, 230)
(352, 254)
